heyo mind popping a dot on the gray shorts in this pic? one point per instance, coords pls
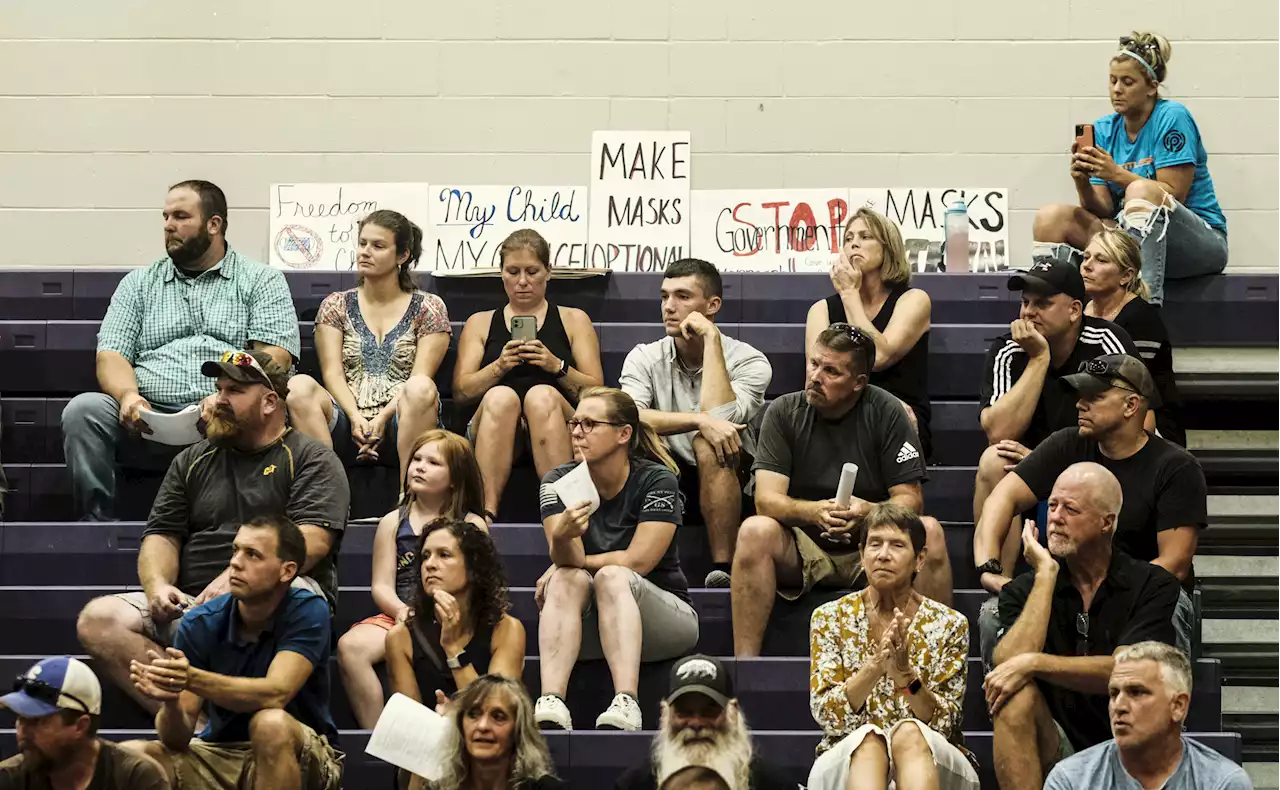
(669, 626)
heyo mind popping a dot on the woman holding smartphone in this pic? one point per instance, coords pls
(523, 386)
(1146, 167)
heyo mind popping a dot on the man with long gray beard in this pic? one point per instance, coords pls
(252, 463)
(702, 724)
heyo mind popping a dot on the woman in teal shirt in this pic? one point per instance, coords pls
(1149, 170)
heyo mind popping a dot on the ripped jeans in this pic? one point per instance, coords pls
(1176, 243)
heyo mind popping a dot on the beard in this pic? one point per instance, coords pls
(36, 760)
(191, 249)
(222, 428)
(727, 750)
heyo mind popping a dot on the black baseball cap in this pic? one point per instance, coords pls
(701, 674)
(1050, 278)
(1100, 374)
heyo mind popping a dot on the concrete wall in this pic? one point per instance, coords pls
(103, 104)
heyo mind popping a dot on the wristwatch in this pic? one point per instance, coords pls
(564, 369)
(992, 567)
(914, 686)
(459, 661)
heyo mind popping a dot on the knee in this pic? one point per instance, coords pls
(872, 743)
(356, 650)
(1020, 709)
(304, 392)
(542, 401)
(419, 392)
(501, 403)
(1053, 218)
(568, 585)
(88, 407)
(909, 743)
(991, 466)
(705, 455)
(935, 540)
(612, 581)
(1142, 189)
(274, 732)
(756, 540)
(101, 620)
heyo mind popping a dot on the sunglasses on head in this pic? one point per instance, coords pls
(243, 359)
(42, 692)
(1096, 367)
(853, 333)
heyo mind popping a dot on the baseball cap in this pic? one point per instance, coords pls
(700, 674)
(246, 367)
(1097, 375)
(1048, 278)
(54, 684)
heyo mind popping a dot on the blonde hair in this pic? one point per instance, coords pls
(1174, 665)
(1152, 49)
(528, 240)
(1125, 252)
(644, 440)
(530, 759)
(893, 269)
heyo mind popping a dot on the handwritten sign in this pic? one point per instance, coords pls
(316, 226)
(468, 224)
(921, 215)
(769, 230)
(639, 200)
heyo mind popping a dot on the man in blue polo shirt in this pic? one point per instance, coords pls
(256, 661)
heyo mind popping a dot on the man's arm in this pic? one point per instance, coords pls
(772, 501)
(319, 544)
(1177, 548)
(273, 321)
(1028, 633)
(279, 354)
(319, 503)
(1086, 674)
(285, 677)
(115, 376)
(158, 561)
(1010, 415)
(176, 721)
(717, 387)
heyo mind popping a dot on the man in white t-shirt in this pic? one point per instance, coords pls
(701, 391)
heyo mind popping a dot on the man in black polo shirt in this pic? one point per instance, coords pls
(1060, 624)
(251, 463)
(255, 661)
(1165, 496)
(1024, 397)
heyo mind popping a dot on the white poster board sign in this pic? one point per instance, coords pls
(315, 226)
(639, 200)
(920, 213)
(468, 224)
(769, 230)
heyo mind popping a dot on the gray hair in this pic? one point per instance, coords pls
(1175, 668)
(529, 759)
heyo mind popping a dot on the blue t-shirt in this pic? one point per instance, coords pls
(1170, 137)
(209, 636)
(1099, 768)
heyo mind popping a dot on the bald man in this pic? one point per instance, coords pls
(1061, 622)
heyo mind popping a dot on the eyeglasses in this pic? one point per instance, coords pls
(243, 359)
(1082, 631)
(43, 692)
(588, 425)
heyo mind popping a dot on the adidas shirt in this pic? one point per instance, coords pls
(1006, 362)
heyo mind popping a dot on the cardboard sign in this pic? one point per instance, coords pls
(316, 226)
(921, 215)
(639, 200)
(769, 230)
(469, 223)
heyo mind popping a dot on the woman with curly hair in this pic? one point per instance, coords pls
(459, 628)
(498, 743)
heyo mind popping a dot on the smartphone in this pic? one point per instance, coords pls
(524, 327)
(1084, 136)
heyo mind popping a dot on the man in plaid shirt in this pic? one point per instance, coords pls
(165, 320)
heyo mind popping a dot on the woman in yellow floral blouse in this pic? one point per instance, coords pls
(888, 669)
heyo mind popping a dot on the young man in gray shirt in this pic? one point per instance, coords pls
(1150, 691)
(701, 390)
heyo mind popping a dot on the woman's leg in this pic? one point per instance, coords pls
(621, 630)
(494, 435)
(359, 651)
(912, 758)
(548, 412)
(310, 408)
(560, 627)
(869, 766)
(418, 411)
(1176, 242)
(1060, 223)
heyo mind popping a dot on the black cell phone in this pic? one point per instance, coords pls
(524, 327)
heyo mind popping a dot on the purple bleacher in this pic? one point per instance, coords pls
(37, 293)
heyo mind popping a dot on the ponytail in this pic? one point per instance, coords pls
(408, 238)
(644, 439)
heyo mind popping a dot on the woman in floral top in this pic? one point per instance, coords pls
(888, 670)
(380, 345)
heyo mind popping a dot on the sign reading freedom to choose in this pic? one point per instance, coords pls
(469, 223)
(639, 200)
(316, 226)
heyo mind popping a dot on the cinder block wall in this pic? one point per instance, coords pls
(103, 104)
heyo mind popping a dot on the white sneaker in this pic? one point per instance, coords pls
(623, 714)
(551, 713)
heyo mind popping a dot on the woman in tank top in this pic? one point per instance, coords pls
(442, 481)
(523, 387)
(873, 292)
(458, 628)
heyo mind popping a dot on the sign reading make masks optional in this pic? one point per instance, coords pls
(640, 213)
(316, 226)
(469, 223)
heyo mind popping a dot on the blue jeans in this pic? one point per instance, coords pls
(95, 443)
(1176, 244)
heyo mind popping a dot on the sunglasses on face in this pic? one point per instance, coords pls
(43, 692)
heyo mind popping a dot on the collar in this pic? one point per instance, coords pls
(1116, 577)
(225, 268)
(234, 622)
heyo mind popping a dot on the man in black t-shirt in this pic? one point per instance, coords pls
(702, 724)
(802, 537)
(1061, 622)
(1024, 398)
(1165, 496)
(252, 463)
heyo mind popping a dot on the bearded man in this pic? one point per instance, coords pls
(702, 725)
(251, 464)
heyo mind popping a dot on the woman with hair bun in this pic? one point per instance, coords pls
(380, 345)
(1148, 169)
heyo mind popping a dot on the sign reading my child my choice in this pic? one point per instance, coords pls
(469, 223)
(769, 230)
(921, 215)
(316, 226)
(640, 213)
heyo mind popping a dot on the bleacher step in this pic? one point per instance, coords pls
(1250, 699)
(1264, 776)
(1233, 440)
(1241, 631)
(1254, 505)
(1209, 566)
(1226, 360)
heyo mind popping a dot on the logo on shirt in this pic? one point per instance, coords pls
(1173, 141)
(907, 453)
(269, 470)
(659, 502)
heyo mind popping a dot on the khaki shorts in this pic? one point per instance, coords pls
(230, 766)
(820, 569)
(164, 633)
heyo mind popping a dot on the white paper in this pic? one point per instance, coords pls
(177, 429)
(411, 736)
(577, 487)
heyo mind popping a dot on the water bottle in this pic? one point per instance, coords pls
(957, 247)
